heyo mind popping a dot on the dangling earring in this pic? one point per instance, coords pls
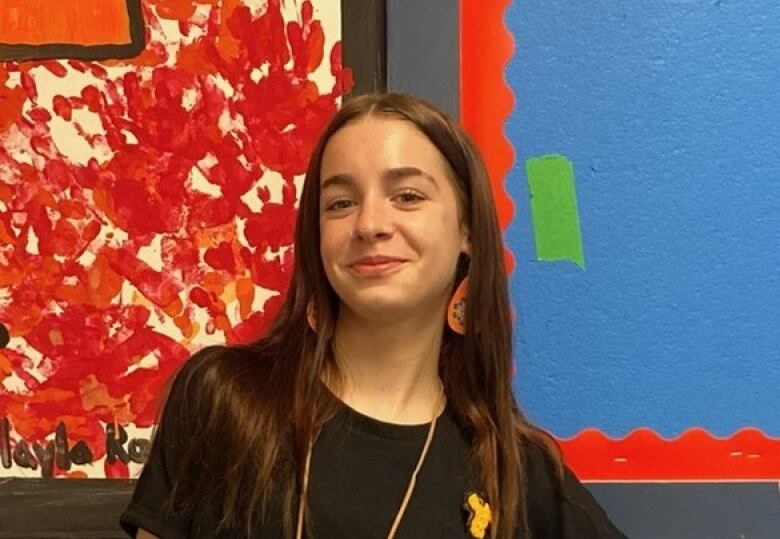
(456, 310)
(311, 316)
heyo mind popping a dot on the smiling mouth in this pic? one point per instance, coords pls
(377, 269)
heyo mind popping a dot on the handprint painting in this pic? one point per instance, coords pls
(146, 210)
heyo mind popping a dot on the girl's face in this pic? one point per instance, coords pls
(390, 224)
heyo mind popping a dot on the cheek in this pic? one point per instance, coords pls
(331, 241)
(444, 233)
(328, 255)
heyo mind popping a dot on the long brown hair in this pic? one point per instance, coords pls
(254, 409)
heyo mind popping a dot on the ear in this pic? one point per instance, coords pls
(465, 245)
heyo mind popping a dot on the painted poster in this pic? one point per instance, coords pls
(146, 209)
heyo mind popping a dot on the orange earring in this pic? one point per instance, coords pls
(311, 316)
(456, 310)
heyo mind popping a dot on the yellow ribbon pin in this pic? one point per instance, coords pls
(480, 515)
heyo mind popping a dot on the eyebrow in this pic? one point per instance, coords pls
(390, 175)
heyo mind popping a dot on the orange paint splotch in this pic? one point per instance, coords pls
(76, 474)
(52, 394)
(26, 317)
(185, 326)
(104, 201)
(227, 44)
(103, 282)
(200, 56)
(245, 292)
(6, 192)
(180, 10)
(174, 307)
(222, 323)
(95, 396)
(194, 57)
(6, 368)
(307, 41)
(215, 283)
(317, 46)
(214, 235)
(55, 337)
(7, 235)
(71, 294)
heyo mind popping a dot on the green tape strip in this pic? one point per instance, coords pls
(554, 209)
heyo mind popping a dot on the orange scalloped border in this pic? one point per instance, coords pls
(486, 100)
(486, 46)
(696, 455)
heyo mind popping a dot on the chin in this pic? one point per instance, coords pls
(373, 304)
(388, 306)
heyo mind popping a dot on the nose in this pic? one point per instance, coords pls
(373, 221)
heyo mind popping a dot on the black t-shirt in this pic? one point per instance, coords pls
(359, 473)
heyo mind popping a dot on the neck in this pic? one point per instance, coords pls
(389, 370)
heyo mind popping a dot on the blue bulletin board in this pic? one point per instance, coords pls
(667, 114)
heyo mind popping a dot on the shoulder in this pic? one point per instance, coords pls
(190, 383)
(542, 468)
(211, 368)
(191, 376)
(558, 504)
(207, 362)
(210, 383)
(543, 486)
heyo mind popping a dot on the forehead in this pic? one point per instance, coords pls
(374, 142)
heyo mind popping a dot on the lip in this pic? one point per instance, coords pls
(377, 260)
(377, 266)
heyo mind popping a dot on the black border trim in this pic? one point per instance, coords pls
(364, 43)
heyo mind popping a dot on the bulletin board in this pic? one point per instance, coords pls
(632, 147)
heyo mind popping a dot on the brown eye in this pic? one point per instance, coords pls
(339, 205)
(409, 197)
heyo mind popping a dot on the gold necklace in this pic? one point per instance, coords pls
(409, 489)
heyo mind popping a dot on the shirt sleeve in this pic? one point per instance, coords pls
(145, 509)
(568, 511)
(580, 512)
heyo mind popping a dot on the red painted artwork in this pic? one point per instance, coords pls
(146, 209)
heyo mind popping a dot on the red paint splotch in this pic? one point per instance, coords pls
(116, 268)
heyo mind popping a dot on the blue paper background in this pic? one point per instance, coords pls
(670, 114)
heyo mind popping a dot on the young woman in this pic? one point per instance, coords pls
(379, 404)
